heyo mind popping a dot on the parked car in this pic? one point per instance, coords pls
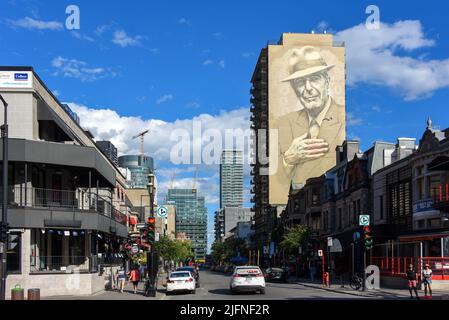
(194, 272)
(247, 278)
(228, 269)
(181, 281)
(275, 274)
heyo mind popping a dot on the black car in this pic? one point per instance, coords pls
(275, 274)
(194, 272)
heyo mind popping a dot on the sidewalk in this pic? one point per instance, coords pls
(384, 293)
(128, 293)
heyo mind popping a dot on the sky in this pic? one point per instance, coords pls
(161, 65)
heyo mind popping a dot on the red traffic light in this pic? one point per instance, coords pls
(151, 220)
(366, 229)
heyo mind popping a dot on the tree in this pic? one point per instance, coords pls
(174, 250)
(295, 237)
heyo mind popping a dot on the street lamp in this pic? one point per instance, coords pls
(4, 223)
(151, 292)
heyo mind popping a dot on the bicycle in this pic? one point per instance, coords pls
(356, 282)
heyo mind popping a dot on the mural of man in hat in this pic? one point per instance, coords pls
(307, 135)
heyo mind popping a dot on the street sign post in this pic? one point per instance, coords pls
(329, 241)
(320, 253)
(364, 220)
(162, 212)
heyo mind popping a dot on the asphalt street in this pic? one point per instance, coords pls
(215, 286)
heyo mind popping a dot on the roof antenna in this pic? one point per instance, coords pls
(429, 123)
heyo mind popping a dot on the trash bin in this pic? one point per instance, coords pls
(17, 293)
(34, 294)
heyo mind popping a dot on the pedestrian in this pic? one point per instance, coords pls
(134, 277)
(142, 271)
(412, 279)
(427, 280)
(312, 271)
(121, 278)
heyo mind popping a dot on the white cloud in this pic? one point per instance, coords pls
(207, 62)
(122, 39)
(107, 124)
(221, 64)
(247, 54)
(377, 57)
(184, 21)
(352, 120)
(80, 36)
(193, 104)
(164, 98)
(376, 109)
(102, 29)
(73, 68)
(33, 24)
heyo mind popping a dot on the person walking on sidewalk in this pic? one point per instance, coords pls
(121, 278)
(134, 277)
(312, 271)
(412, 279)
(427, 280)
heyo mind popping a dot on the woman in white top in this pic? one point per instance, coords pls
(427, 279)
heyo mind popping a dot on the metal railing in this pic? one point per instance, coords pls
(397, 266)
(69, 199)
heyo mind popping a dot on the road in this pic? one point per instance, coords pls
(215, 286)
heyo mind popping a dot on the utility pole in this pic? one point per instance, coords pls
(4, 223)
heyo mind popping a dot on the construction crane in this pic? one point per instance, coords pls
(172, 179)
(195, 178)
(141, 135)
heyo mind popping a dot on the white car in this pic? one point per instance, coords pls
(181, 281)
(247, 278)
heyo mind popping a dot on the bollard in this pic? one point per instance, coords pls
(17, 293)
(34, 294)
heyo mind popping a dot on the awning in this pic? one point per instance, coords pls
(439, 163)
(423, 236)
(133, 220)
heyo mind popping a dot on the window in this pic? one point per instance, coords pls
(421, 189)
(13, 263)
(381, 204)
(434, 186)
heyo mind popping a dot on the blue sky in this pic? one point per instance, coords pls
(160, 64)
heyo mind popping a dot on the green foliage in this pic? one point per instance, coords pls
(295, 237)
(223, 252)
(174, 250)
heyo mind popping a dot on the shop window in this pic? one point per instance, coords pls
(420, 224)
(13, 262)
(434, 223)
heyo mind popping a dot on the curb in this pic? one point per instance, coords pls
(333, 290)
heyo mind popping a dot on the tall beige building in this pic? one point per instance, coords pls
(298, 118)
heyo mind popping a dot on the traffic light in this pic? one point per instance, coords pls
(151, 230)
(367, 239)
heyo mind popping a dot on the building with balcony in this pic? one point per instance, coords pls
(109, 150)
(227, 218)
(66, 200)
(231, 178)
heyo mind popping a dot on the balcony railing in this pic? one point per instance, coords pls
(68, 199)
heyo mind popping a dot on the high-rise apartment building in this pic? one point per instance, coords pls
(191, 218)
(109, 150)
(298, 96)
(231, 178)
(227, 218)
